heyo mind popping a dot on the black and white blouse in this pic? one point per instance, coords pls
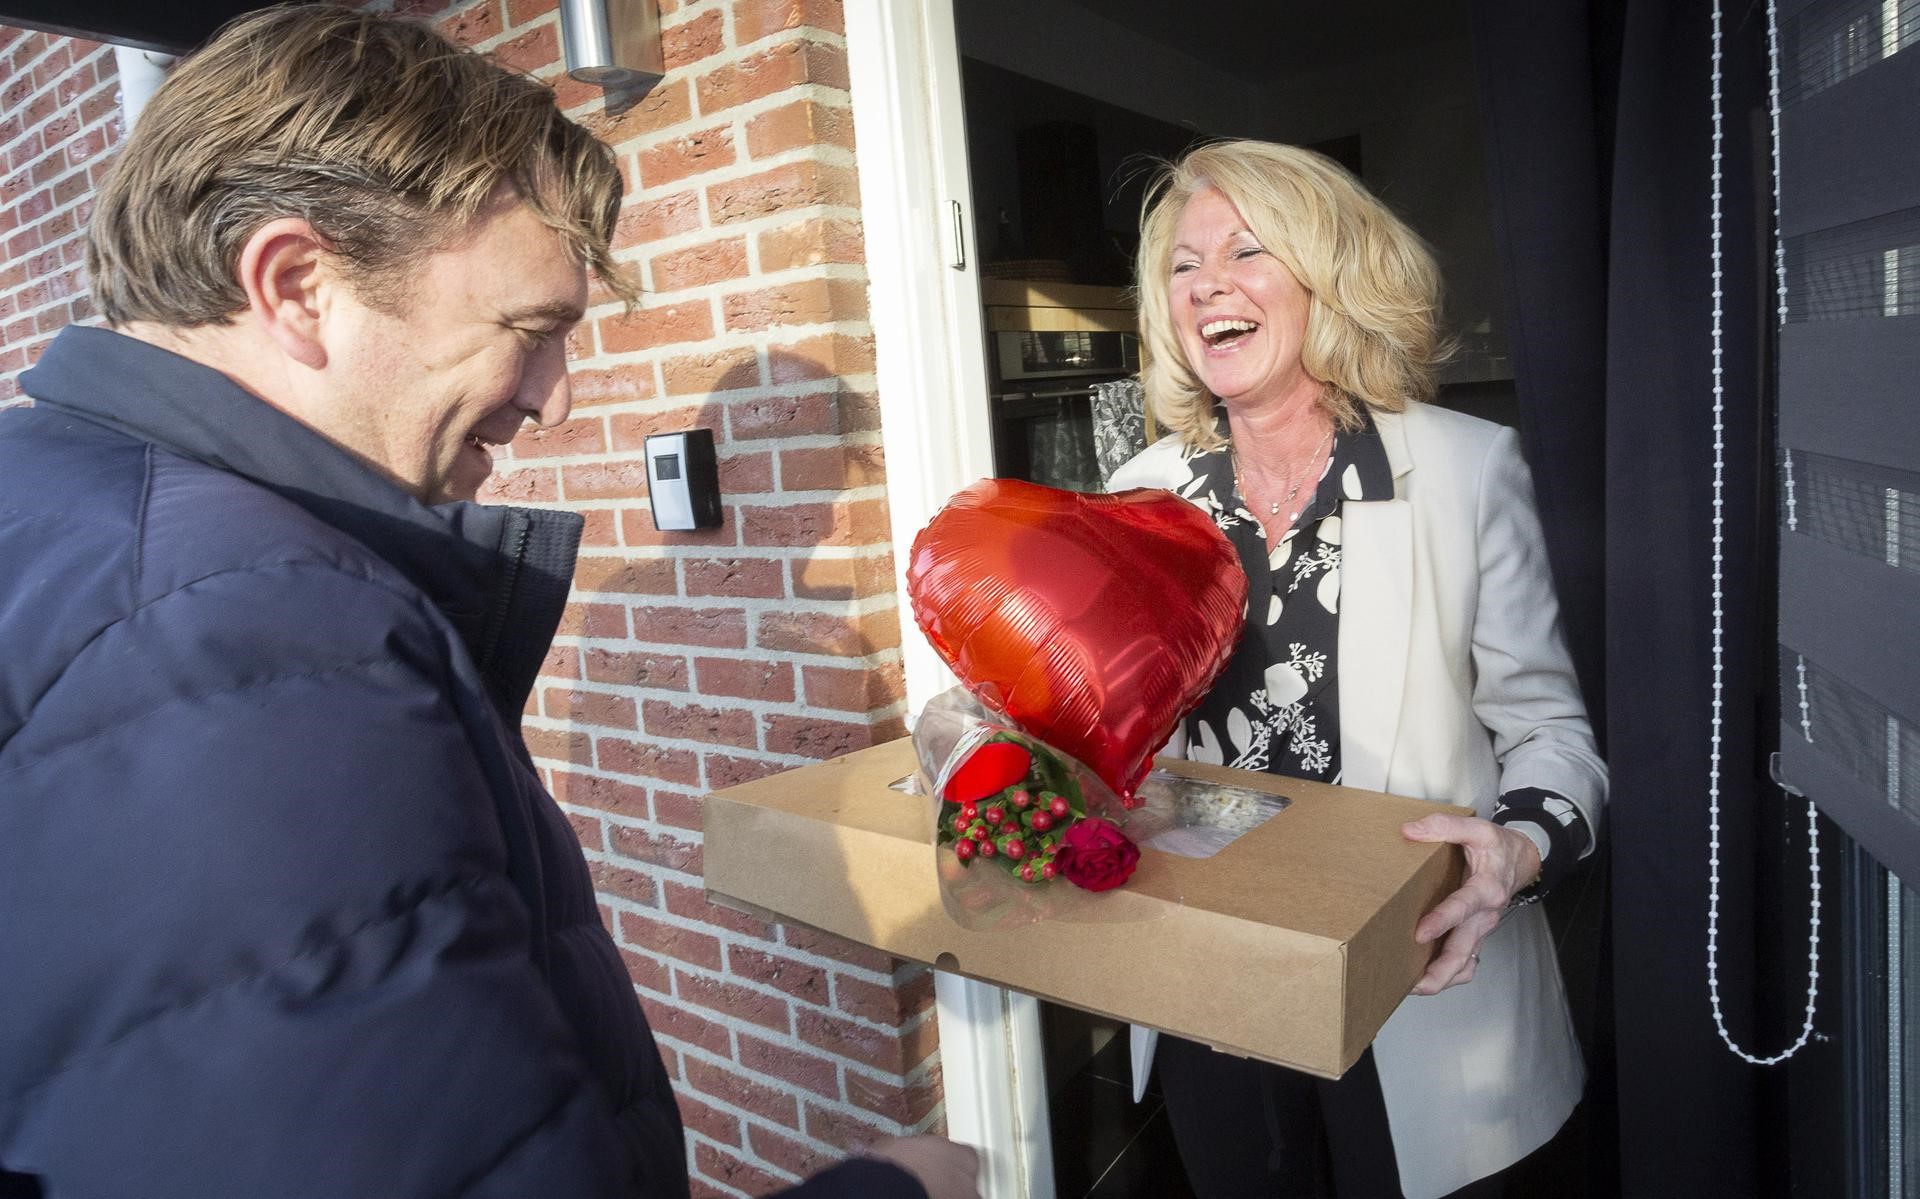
(1276, 706)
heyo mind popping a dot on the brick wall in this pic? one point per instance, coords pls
(686, 662)
(59, 122)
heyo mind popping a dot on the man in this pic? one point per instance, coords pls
(283, 908)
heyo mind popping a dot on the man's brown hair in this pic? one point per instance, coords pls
(384, 136)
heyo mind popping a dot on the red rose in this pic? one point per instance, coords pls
(1095, 855)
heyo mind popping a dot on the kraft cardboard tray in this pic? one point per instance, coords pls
(1293, 944)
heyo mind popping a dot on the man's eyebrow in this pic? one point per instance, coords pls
(558, 311)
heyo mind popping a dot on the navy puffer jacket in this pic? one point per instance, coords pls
(284, 910)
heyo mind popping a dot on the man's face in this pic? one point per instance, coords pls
(475, 346)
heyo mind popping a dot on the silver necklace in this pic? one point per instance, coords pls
(1273, 506)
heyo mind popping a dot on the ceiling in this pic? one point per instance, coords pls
(1255, 40)
(169, 26)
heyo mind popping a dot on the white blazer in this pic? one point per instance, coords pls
(1456, 685)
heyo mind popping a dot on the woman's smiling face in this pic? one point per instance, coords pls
(1238, 312)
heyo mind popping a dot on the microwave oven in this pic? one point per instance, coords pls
(1025, 355)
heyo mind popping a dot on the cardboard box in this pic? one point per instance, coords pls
(1293, 944)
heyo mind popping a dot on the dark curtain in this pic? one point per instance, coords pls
(1599, 128)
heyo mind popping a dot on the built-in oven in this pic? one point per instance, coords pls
(1049, 346)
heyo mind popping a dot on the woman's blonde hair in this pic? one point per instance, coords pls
(384, 136)
(1373, 317)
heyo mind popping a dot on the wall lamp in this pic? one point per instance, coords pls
(613, 44)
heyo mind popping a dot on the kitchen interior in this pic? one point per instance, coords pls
(1068, 104)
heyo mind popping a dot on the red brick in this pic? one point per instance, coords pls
(781, 973)
(726, 770)
(755, 19)
(827, 356)
(718, 370)
(589, 830)
(846, 1131)
(733, 999)
(670, 940)
(100, 105)
(593, 620)
(805, 1070)
(522, 486)
(818, 577)
(602, 528)
(637, 669)
(531, 51)
(609, 879)
(829, 946)
(559, 746)
(647, 971)
(631, 429)
(781, 66)
(849, 522)
(786, 416)
(908, 995)
(60, 129)
(802, 302)
(692, 903)
(75, 83)
(473, 24)
(605, 480)
(824, 633)
(854, 689)
(688, 42)
(832, 468)
(582, 435)
(813, 243)
(719, 628)
(649, 220)
(742, 1091)
(614, 385)
(680, 811)
(699, 723)
(747, 678)
(757, 578)
(802, 123)
(668, 104)
(730, 1170)
(589, 707)
(907, 1105)
(794, 1157)
(674, 765)
(782, 189)
(696, 266)
(663, 162)
(624, 575)
(87, 146)
(666, 324)
(602, 794)
(676, 1022)
(811, 737)
(669, 853)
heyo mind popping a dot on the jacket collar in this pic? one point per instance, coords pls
(499, 574)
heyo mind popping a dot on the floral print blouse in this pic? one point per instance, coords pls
(1276, 706)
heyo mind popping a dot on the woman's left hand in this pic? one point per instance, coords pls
(1500, 863)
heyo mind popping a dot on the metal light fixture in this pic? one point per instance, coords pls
(613, 44)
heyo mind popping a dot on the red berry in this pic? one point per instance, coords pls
(1021, 799)
(1026, 872)
(968, 812)
(1042, 822)
(986, 849)
(963, 850)
(995, 814)
(1059, 807)
(1048, 870)
(978, 832)
(1016, 848)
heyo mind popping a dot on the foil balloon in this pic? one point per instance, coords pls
(1094, 622)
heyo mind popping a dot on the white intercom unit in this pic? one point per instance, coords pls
(683, 480)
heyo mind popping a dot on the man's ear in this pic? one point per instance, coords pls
(285, 272)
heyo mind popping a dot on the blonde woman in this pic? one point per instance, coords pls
(1402, 635)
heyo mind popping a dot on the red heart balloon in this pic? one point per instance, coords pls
(1094, 622)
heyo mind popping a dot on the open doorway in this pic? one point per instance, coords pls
(1067, 106)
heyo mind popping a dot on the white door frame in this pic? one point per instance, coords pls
(904, 65)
